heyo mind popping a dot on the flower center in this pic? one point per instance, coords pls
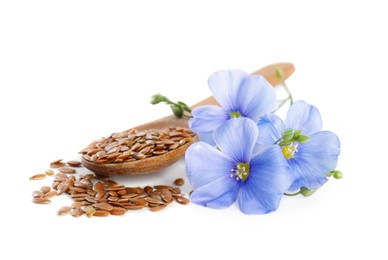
(235, 114)
(241, 172)
(289, 150)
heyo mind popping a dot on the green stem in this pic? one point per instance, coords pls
(288, 92)
(282, 103)
(292, 194)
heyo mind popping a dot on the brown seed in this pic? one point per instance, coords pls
(63, 187)
(50, 194)
(113, 193)
(159, 152)
(87, 157)
(115, 188)
(76, 212)
(61, 175)
(56, 161)
(38, 177)
(67, 170)
(166, 195)
(173, 146)
(140, 202)
(41, 200)
(148, 189)
(121, 192)
(100, 194)
(179, 182)
(37, 194)
(57, 165)
(113, 198)
(129, 196)
(45, 189)
(134, 207)
(74, 163)
(175, 191)
(103, 206)
(157, 208)
(76, 205)
(162, 187)
(64, 210)
(154, 200)
(101, 213)
(90, 211)
(112, 183)
(50, 172)
(182, 200)
(88, 198)
(79, 195)
(118, 211)
(77, 189)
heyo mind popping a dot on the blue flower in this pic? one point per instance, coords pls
(231, 172)
(310, 159)
(239, 95)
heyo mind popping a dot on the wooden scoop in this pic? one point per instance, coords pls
(156, 163)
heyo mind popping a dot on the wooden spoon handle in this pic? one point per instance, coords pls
(268, 72)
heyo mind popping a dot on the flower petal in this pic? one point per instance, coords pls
(266, 184)
(314, 159)
(270, 129)
(305, 117)
(270, 170)
(218, 194)
(225, 85)
(237, 138)
(255, 97)
(205, 164)
(207, 118)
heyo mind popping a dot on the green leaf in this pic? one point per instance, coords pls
(288, 135)
(184, 106)
(303, 139)
(338, 175)
(156, 99)
(306, 192)
(177, 110)
(297, 133)
(284, 143)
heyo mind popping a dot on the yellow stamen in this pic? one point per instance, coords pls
(289, 151)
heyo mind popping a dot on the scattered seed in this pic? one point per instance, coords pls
(67, 170)
(41, 200)
(101, 213)
(166, 195)
(74, 163)
(94, 195)
(64, 210)
(38, 177)
(50, 172)
(118, 211)
(77, 212)
(182, 200)
(179, 182)
(103, 206)
(37, 194)
(157, 208)
(162, 187)
(45, 189)
(90, 212)
(50, 194)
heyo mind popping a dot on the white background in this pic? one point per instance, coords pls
(74, 71)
